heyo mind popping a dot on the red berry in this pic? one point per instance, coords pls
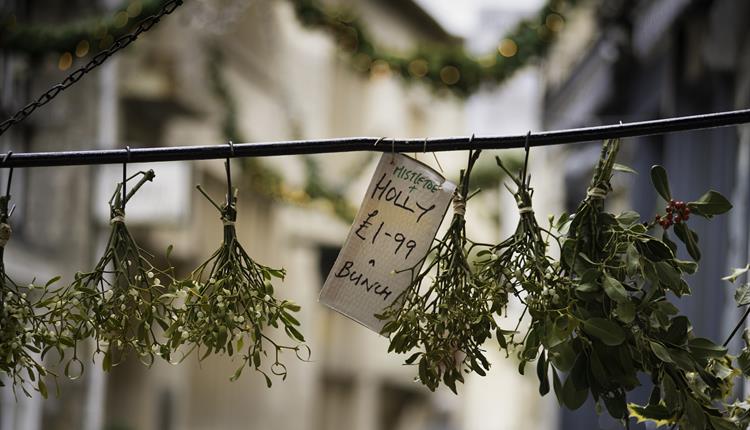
(669, 209)
(680, 204)
(686, 211)
(678, 219)
(671, 202)
(657, 218)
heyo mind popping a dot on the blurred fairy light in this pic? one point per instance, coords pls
(450, 75)
(65, 61)
(121, 19)
(507, 48)
(554, 22)
(82, 48)
(134, 8)
(418, 68)
(380, 69)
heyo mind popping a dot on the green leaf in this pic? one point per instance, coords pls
(660, 351)
(608, 331)
(704, 348)
(616, 405)
(669, 277)
(628, 218)
(660, 181)
(694, 413)
(598, 371)
(654, 250)
(52, 281)
(563, 356)
(237, 373)
(573, 398)
(688, 267)
(579, 373)
(626, 311)
(667, 241)
(742, 295)
(294, 333)
(557, 331)
(561, 221)
(623, 168)
(678, 331)
(659, 414)
(557, 385)
(690, 239)
(632, 260)
(710, 204)
(744, 362)
(541, 372)
(412, 358)
(670, 393)
(614, 289)
(736, 273)
(721, 423)
(42, 388)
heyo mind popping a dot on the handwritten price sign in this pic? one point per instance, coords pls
(394, 228)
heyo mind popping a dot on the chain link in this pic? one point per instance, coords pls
(121, 42)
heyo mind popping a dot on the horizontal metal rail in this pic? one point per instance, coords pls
(264, 149)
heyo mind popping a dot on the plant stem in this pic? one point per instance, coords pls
(737, 327)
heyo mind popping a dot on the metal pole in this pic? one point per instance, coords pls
(264, 149)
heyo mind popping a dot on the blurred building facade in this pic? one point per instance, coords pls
(253, 64)
(638, 60)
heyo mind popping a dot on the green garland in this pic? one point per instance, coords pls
(439, 65)
(94, 33)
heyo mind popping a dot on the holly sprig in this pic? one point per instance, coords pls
(677, 213)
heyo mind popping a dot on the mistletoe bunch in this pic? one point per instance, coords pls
(118, 302)
(448, 314)
(228, 302)
(520, 266)
(27, 333)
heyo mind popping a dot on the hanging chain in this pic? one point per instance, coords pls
(121, 42)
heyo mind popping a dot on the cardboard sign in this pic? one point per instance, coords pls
(394, 228)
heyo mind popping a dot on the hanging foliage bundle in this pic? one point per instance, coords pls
(447, 315)
(622, 316)
(520, 266)
(26, 332)
(118, 302)
(228, 302)
(601, 314)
